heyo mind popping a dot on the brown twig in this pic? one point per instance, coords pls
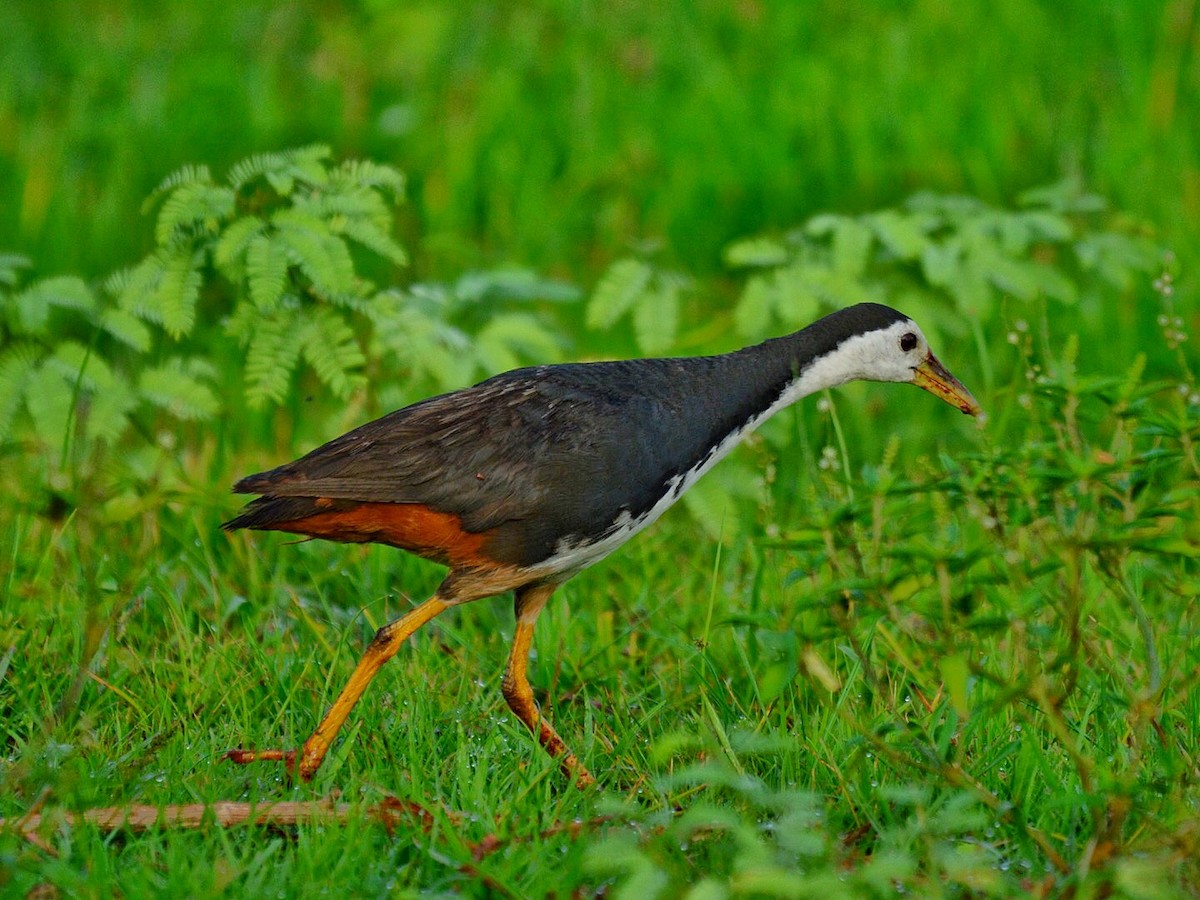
(390, 812)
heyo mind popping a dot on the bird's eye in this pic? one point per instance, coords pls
(908, 341)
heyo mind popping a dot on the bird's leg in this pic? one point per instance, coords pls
(519, 695)
(383, 647)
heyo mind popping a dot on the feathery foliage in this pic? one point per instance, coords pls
(937, 248)
(74, 362)
(649, 293)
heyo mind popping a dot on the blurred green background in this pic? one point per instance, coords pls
(876, 540)
(555, 134)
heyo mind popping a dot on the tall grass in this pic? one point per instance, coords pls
(910, 654)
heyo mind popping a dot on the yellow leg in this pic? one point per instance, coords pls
(519, 695)
(387, 641)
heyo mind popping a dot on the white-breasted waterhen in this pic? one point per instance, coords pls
(525, 479)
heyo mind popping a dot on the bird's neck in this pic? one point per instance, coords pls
(782, 370)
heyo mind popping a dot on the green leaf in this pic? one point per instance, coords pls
(105, 415)
(369, 235)
(497, 285)
(800, 291)
(758, 252)
(971, 290)
(178, 290)
(185, 175)
(270, 359)
(1054, 284)
(656, 318)
(320, 255)
(618, 291)
(10, 264)
(190, 206)
(752, 315)
(33, 304)
(282, 170)
(266, 270)
(18, 363)
(522, 334)
(178, 392)
(901, 234)
(851, 247)
(1066, 196)
(1048, 227)
(50, 399)
(1011, 276)
(232, 246)
(939, 263)
(126, 328)
(362, 172)
(328, 344)
(80, 365)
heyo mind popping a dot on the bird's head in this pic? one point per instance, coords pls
(900, 352)
(878, 343)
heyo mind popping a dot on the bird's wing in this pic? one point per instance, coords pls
(496, 452)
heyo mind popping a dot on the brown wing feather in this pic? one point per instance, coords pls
(484, 453)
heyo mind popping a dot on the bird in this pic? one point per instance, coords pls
(527, 478)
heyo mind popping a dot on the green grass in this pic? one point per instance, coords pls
(973, 674)
(888, 650)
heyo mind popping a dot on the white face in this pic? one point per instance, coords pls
(889, 354)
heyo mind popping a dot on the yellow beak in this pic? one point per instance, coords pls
(935, 378)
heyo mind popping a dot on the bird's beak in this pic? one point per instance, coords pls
(935, 378)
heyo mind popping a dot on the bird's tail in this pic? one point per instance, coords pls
(268, 513)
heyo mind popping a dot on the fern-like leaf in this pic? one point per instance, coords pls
(500, 285)
(852, 242)
(49, 398)
(178, 290)
(10, 266)
(104, 417)
(230, 251)
(33, 304)
(18, 363)
(134, 288)
(310, 163)
(901, 234)
(321, 256)
(656, 318)
(369, 235)
(282, 170)
(365, 173)
(618, 291)
(513, 339)
(758, 252)
(271, 358)
(190, 207)
(329, 346)
(82, 366)
(189, 174)
(752, 315)
(334, 206)
(125, 327)
(177, 391)
(266, 270)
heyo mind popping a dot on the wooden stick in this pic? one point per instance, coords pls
(390, 812)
